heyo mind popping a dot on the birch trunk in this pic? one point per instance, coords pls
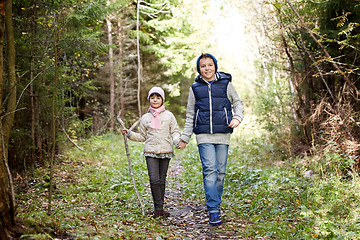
(138, 56)
(111, 73)
(121, 80)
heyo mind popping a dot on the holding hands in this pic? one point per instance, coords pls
(181, 144)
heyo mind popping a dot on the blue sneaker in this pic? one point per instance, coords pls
(214, 218)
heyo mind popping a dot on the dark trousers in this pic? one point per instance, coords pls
(157, 169)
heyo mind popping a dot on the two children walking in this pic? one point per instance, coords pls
(213, 110)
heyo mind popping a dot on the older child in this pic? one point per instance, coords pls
(213, 110)
(159, 130)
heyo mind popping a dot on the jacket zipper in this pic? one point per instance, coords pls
(196, 117)
(210, 103)
(226, 115)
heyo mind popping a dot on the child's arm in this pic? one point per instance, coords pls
(174, 131)
(238, 106)
(134, 136)
(190, 112)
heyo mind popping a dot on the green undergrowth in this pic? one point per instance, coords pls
(263, 196)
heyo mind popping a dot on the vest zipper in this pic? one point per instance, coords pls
(226, 115)
(210, 108)
(196, 117)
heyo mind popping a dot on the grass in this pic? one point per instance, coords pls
(263, 196)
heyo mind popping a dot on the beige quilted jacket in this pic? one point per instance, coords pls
(157, 141)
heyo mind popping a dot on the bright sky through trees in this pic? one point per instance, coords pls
(235, 38)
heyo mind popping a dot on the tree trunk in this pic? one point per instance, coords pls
(7, 211)
(7, 203)
(53, 130)
(111, 73)
(32, 106)
(121, 80)
(38, 132)
(138, 56)
(11, 105)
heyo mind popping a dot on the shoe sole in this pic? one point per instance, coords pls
(218, 222)
(215, 223)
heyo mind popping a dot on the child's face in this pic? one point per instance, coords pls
(155, 101)
(207, 68)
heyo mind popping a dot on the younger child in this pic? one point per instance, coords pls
(159, 130)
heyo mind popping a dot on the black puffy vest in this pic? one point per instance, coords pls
(213, 111)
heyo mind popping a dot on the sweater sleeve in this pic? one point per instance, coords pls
(238, 107)
(174, 130)
(190, 112)
(140, 136)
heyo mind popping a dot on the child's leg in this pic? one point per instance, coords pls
(154, 177)
(221, 162)
(207, 154)
(163, 168)
(213, 158)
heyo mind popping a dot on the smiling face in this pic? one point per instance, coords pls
(155, 100)
(207, 68)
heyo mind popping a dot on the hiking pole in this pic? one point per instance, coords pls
(129, 161)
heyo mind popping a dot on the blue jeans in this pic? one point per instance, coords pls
(214, 159)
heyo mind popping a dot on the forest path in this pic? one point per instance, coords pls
(189, 218)
(86, 205)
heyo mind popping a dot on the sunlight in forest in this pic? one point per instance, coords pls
(231, 30)
(233, 42)
(235, 38)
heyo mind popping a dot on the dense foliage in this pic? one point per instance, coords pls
(75, 33)
(310, 97)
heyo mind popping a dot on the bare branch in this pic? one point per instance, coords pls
(324, 49)
(129, 163)
(68, 137)
(31, 82)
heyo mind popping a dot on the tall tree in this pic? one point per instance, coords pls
(8, 119)
(111, 71)
(7, 198)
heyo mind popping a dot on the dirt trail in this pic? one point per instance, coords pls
(190, 219)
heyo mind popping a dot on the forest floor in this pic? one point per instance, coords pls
(264, 197)
(190, 219)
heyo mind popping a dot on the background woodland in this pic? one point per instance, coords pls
(69, 67)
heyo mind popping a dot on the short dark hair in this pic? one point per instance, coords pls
(156, 94)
